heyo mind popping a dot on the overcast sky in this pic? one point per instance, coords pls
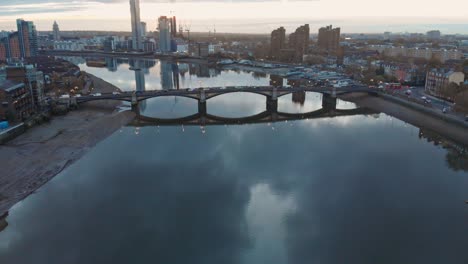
(253, 16)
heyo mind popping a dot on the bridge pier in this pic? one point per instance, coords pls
(329, 102)
(202, 96)
(272, 105)
(202, 113)
(274, 93)
(136, 109)
(134, 100)
(333, 93)
(202, 108)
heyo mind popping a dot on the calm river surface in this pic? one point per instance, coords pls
(355, 189)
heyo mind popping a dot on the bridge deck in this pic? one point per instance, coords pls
(216, 91)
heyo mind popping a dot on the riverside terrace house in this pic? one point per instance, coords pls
(15, 101)
(436, 80)
(408, 74)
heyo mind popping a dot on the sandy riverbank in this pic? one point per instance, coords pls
(411, 116)
(35, 157)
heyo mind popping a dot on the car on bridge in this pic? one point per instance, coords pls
(425, 100)
(115, 93)
(96, 94)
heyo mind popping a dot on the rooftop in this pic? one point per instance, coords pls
(9, 85)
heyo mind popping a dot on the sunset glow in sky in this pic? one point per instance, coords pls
(250, 16)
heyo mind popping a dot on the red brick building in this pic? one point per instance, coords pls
(15, 101)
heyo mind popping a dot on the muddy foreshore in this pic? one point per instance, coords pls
(411, 116)
(35, 157)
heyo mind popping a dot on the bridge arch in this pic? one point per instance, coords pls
(217, 94)
(180, 120)
(190, 96)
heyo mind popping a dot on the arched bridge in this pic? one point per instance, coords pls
(204, 94)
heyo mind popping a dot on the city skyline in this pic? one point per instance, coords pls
(204, 16)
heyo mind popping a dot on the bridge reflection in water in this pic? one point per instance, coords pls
(270, 115)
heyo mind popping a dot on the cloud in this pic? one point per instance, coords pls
(38, 6)
(20, 7)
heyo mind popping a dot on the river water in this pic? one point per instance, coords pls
(351, 189)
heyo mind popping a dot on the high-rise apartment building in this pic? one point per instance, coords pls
(56, 31)
(5, 48)
(299, 42)
(329, 38)
(164, 26)
(27, 36)
(277, 42)
(14, 46)
(143, 29)
(173, 26)
(3, 51)
(20, 44)
(136, 24)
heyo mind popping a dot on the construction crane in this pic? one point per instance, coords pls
(214, 30)
(187, 29)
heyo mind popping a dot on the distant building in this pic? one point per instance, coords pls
(164, 26)
(340, 54)
(10, 47)
(5, 52)
(214, 48)
(109, 44)
(56, 31)
(277, 42)
(20, 44)
(173, 27)
(14, 46)
(27, 36)
(442, 55)
(387, 35)
(143, 29)
(68, 45)
(200, 49)
(149, 46)
(433, 34)
(182, 45)
(15, 101)
(437, 79)
(329, 38)
(299, 42)
(405, 73)
(136, 24)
